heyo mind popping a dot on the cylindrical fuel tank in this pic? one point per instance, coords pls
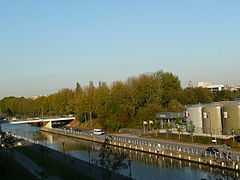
(231, 119)
(194, 115)
(212, 119)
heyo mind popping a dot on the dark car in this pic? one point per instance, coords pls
(77, 130)
(212, 150)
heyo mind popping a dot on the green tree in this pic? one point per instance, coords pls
(110, 161)
(78, 87)
(224, 95)
(175, 106)
(170, 85)
(203, 95)
(147, 113)
(194, 96)
(6, 145)
(178, 124)
(191, 129)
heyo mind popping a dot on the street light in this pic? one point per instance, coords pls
(46, 144)
(89, 156)
(63, 143)
(89, 161)
(34, 137)
(130, 168)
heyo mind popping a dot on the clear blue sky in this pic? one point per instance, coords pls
(46, 45)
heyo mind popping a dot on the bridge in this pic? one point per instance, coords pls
(47, 122)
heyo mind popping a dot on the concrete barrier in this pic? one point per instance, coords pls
(194, 157)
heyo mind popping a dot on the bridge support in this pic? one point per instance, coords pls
(47, 124)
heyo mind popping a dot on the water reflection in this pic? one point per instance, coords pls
(144, 166)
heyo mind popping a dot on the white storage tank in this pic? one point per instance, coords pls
(194, 114)
(212, 119)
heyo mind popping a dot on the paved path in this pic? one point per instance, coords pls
(28, 164)
(31, 166)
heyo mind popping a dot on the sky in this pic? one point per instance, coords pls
(47, 45)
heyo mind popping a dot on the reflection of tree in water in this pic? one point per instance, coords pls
(72, 144)
(110, 160)
(170, 163)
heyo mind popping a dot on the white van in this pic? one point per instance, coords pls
(98, 131)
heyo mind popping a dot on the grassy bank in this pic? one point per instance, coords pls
(52, 167)
(189, 139)
(10, 169)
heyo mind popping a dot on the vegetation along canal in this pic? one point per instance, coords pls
(144, 166)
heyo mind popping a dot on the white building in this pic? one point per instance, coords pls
(215, 88)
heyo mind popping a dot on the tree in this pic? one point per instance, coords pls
(191, 129)
(147, 113)
(187, 96)
(110, 161)
(224, 95)
(120, 103)
(6, 144)
(203, 95)
(178, 124)
(170, 85)
(175, 106)
(78, 87)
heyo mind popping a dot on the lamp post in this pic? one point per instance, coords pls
(63, 143)
(89, 160)
(233, 134)
(89, 156)
(42, 112)
(34, 138)
(130, 168)
(49, 108)
(46, 145)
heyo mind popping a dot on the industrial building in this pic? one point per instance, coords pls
(215, 119)
(216, 87)
(168, 117)
(212, 119)
(231, 119)
(194, 115)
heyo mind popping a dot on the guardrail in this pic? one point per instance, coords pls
(225, 155)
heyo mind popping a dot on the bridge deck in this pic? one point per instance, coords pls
(41, 120)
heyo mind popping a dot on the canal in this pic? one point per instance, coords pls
(144, 166)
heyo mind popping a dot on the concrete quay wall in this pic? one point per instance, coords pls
(176, 154)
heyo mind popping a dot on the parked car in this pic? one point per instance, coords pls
(212, 150)
(77, 130)
(98, 131)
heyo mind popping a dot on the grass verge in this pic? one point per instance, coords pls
(10, 169)
(52, 167)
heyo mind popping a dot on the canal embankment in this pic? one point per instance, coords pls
(211, 160)
(52, 163)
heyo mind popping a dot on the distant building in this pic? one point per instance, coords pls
(91, 84)
(168, 117)
(36, 96)
(216, 88)
(190, 84)
(101, 84)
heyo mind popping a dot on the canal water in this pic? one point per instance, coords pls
(144, 166)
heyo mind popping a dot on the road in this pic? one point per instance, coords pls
(165, 144)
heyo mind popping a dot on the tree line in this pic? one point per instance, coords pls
(122, 104)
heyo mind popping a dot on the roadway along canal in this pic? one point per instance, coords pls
(144, 166)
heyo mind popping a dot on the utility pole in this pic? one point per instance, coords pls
(49, 108)
(42, 112)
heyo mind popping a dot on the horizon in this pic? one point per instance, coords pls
(46, 46)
